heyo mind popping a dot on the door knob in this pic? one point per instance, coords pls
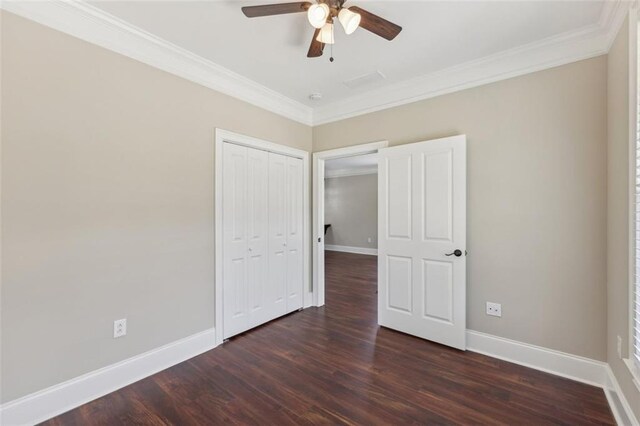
(456, 252)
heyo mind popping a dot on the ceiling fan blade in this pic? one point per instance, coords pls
(316, 48)
(275, 9)
(376, 24)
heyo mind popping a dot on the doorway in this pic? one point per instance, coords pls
(421, 273)
(351, 235)
(320, 160)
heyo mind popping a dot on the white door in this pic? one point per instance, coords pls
(262, 216)
(295, 211)
(422, 240)
(237, 315)
(257, 235)
(278, 234)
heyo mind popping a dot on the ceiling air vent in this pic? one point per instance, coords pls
(365, 80)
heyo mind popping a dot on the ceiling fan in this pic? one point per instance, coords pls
(321, 16)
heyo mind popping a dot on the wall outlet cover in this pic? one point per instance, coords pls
(119, 328)
(494, 309)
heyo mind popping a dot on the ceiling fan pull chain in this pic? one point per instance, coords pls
(331, 46)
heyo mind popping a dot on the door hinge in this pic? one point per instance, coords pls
(319, 239)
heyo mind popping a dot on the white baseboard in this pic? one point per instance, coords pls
(617, 401)
(573, 367)
(50, 402)
(347, 249)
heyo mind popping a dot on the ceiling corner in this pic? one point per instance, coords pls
(612, 17)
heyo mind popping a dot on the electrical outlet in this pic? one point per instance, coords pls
(119, 328)
(619, 347)
(369, 240)
(494, 309)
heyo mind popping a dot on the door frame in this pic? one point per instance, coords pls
(222, 136)
(319, 159)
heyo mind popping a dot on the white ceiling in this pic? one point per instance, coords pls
(272, 50)
(446, 46)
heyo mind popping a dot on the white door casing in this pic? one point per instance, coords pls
(422, 219)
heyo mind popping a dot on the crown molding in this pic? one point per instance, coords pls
(91, 24)
(588, 42)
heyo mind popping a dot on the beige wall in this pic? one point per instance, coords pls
(107, 203)
(536, 211)
(618, 212)
(351, 207)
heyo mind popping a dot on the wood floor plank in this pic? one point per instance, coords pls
(335, 365)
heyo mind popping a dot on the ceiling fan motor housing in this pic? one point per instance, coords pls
(350, 18)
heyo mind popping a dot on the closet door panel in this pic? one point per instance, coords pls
(236, 314)
(257, 235)
(276, 297)
(295, 211)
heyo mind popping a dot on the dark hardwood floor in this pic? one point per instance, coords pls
(334, 365)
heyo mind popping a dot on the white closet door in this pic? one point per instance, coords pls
(245, 227)
(235, 208)
(295, 210)
(277, 235)
(257, 241)
(262, 237)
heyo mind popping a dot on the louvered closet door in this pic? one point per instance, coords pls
(295, 211)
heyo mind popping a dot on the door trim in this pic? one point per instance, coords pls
(222, 136)
(318, 207)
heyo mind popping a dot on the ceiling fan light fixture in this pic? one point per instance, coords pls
(326, 34)
(350, 20)
(318, 14)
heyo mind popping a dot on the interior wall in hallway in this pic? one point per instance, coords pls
(351, 207)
